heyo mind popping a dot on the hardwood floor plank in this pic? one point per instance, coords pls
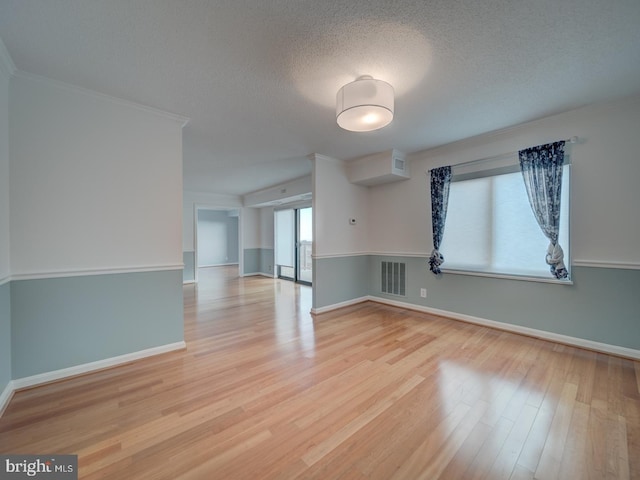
(617, 452)
(435, 465)
(521, 473)
(541, 428)
(389, 441)
(217, 463)
(575, 461)
(550, 460)
(414, 466)
(467, 452)
(265, 390)
(320, 450)
(629, 437)
(481, 465)
(505, 462)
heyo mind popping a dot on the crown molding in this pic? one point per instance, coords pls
(183, 121)
(6, 63)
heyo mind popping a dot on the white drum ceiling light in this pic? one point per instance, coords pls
(364, 105)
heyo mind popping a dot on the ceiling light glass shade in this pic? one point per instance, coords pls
(364, 105)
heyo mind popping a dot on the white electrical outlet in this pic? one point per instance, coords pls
(423, 292)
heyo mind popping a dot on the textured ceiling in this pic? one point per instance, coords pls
(258, 78)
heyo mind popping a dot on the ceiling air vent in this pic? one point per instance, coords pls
(379, 168)
(393, 278)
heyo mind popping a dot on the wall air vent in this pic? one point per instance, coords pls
(393, 278)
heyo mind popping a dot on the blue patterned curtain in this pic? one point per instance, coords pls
(440, 181)
(542, 172)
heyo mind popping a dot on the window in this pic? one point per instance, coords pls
(490, 227)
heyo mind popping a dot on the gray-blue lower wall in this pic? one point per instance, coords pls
(339, 279)
(5, 336)
(251, 260)
(602, 305)
(58, 323)
(189, 270)
(266, 261)
(258, 260)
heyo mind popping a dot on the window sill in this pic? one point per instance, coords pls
(505, 276)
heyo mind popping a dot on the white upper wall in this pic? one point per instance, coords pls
(96, 182)
(604, 184)
(335, 201)
(267, 238)
(250, 223)
(5, 77)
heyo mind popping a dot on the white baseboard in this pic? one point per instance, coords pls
(52, 376)
(6, 395)
(530, 332)
(188, 282)
(336, 306)
(259, 274)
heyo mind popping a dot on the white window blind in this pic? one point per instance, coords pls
(490, 227)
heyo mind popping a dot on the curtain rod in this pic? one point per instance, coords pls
(573, 139)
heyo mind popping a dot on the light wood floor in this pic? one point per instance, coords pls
(265, 390)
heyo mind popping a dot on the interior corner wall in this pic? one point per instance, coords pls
(5, 337)
(251, 240)
(267, 238)
(267, 241)
(217, 238)
(96, 194)
(5, 297)
(257, 231)
(602, 305)
(233, 237)
(340, 248)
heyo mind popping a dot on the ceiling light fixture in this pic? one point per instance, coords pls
(364, 105)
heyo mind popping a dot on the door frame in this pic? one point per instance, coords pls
(203, 206)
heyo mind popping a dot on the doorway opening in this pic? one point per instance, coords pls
(216, 237)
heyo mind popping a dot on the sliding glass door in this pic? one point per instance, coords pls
(294, 241)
